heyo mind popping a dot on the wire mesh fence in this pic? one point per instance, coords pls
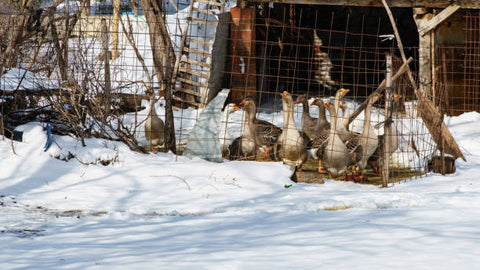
(92, 73)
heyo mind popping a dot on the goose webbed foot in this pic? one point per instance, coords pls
(263, 154)
(354, 178)
(351, 178)
(361, 178)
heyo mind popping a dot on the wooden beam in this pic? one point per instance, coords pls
(428, 26)
(469, 4)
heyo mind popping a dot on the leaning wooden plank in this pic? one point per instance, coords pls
(433, 120)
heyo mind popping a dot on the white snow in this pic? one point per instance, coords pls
(20, 79)
(161, 211)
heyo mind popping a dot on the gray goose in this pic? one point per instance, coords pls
(368, 140)
(309, 124)
(154, 126)
(318, 144)
(291, 144)
(257, 133)
(322, 123)
(377, 157)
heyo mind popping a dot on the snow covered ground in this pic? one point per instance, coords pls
(162, 211)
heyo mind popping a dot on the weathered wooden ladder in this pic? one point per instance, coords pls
(193, 64)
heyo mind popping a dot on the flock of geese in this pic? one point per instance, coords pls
(337, 149)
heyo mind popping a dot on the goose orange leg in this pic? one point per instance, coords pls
(320, 170)
(265, 154)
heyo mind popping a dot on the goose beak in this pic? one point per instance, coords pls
(326, 104)
(284, 94)
(243, 102)
(312, 103)
(235, 107)
(397, 96)
(297, 100)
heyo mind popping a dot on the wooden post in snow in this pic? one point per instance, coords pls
(388, 119)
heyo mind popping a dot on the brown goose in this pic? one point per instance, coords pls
(377, 157)
(335, 157)
(368, 139)
(247, 144)
(292, 145)
(154, 127)
(318, 143)
(309, 123)
(257, 133)
(322, 123)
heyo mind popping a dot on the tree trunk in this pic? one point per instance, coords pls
(164, 59)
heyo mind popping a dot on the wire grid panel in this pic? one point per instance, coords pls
(316, 51)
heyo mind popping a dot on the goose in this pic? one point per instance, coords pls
(154, 126)
(292, 145)
(346, 114)
(342, 130)
(392, 140)
(247, 144)
(368, 140)
(224, 134)
(257, 133)
(317, 144)
(322, 124)
(335, 157)
(310, 125)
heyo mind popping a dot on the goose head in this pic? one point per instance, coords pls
(341, 93)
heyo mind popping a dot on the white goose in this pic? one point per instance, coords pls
(224, 135)
(292, 146)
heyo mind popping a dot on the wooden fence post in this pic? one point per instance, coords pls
(388, 119)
